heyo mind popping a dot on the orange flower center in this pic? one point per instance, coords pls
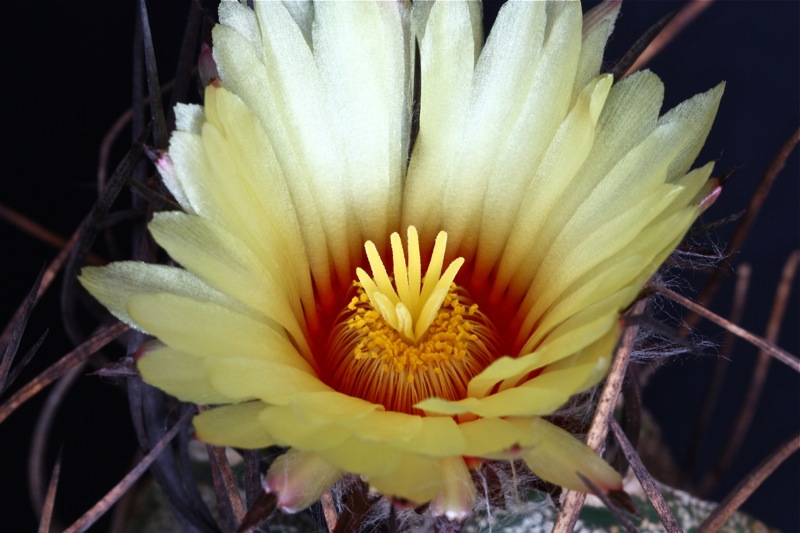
(405, 338)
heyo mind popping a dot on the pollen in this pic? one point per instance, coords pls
(404, 338)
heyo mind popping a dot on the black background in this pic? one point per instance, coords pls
(67, 77)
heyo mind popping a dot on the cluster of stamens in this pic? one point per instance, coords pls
(448, 338)
(404, 338)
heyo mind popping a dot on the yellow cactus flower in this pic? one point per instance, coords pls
(403, 318)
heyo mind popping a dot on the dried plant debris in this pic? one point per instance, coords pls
(536, 513)
(217, 492)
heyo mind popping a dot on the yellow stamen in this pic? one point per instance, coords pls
(406, 338)
(406, 307)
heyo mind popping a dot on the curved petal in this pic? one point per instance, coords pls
(360, 52)
(180, 375)
(250, 178)
(413, 478)
(514, 115)
(598, 23)
(581, 370)
(487, 437)
(574, 253)
(541, 395)
(232, 47)
(558, 457)
(613, 276)
(512, 221)
(233, 425)
(229, 174)
(384, 426)
(327, 407)
(270, 382)
(447, 62)
(114, 285)
(299, 479)
(189, 117)
(518, 401)
(579, 333)
(439, 436)
(207, 329)
(456, 496)
(630, 114)
(370, 459)
(224, 262)
(278, 79)
(283, 425)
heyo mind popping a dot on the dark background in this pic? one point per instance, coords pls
(68, 77)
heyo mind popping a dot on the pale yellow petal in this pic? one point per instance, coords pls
(242, 19)
(189, 117)
(645, 168)
(191, 172)
(248, 193)
(690, 186)
(507, 65)
(609, 278)
(518, 209)
(582, 370)
(584, 333)
(598, 23)
(420, 11)
(670, 231)
(647, 252)
(456, 496)
(384, 426)
(585, 327)
(367, 458)
(115, 284)
(280, 82)
(500, 83)
(520, 401)
(359, 49)
(327, 407)
(486, 437)
(439, 436)
(579, 250)
(414, 478)
(440, 406)
(629, 115)
(558, 457)
(287, 429)
(634, 261)
(572, 336)
(224, 262)
(694, 118)
(447, 61)
(233, 425)
(541, 395)
(299, 478)
(233, 48)
(207, 329)
(180, 375)
(503, 368)
(270, 382)
(508, 81)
